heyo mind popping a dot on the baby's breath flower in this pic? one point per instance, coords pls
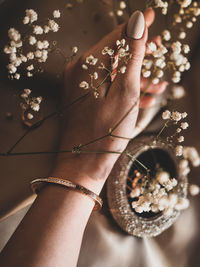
(122, 4)
(46, 29)
(74, 50)
(84, 85)
(84, 66)
(17, 76)
(179, 150)
(11, 68)
(37, 29)
(32, 40)
(30, 67)
(166, 35)
(180, 139)
(166, 115)
(32, 15)
(53, 25)
(184, 125)
(30, 116)
(14, 35)
(30, 55)
(95, 75)
(176, 116)
(194, 189)
(182, 35)
(123, 69)
(178, 92)
(151, 47)
(91, 60)
(56, 13)
(29, 74)
(26, 20)
(119, 12)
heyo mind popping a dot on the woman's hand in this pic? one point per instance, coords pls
(91, 118)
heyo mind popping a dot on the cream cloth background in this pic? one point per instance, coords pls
(104, 244)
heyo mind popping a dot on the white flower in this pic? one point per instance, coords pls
(192, 154)
(75, 50)
(189, 24)
(119, 13)
(95, 75)
(151, 46)
(30, 55)
(34, 106)
(155, 80)
(32, 40)
(27, 91)
(179, 150)
(11, 68)
(166, 115)
(184, 115)
(84, 66)
(46, 29)
(39, 45)
(26, 20)
(9, 50)
(32, 15)
(45, 44)
(91, 60)
(146, 73)
(29, 74)
(30, 116)
(123, 69)
(56, 13)
(184, 125)
(37, 29)
(166, 35)
(135, 192)
(14, 35)
(44, 56)
(194, 189)
(176, 116)
(17, 76)
(162, 177)
(184, 3)
(38, 53)
(53, 25)
(122, 4)
(178, 92)
(182, 35)
(182, 204)
(30, 67)
(176, 47)
(84, 85)
(180, 139)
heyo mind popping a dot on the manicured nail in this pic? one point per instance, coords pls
(135, 27)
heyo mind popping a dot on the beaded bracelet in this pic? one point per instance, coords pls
(39, 183)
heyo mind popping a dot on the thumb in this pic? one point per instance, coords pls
(136, 35)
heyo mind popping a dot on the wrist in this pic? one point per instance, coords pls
(90, 171)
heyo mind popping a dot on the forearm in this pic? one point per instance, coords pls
(51, 232)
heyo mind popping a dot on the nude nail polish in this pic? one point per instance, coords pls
(135, 27)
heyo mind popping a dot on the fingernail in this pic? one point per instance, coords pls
(135, 27)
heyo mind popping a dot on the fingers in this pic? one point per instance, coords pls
(147, 102)
(153, 88)
(149, 16)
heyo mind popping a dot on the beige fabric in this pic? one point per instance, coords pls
(104, 244)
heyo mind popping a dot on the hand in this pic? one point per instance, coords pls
(91, 118)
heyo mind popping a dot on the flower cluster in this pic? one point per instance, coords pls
(39, 49)
(30, 103)
(170, 57)
(118, 60)
(156, 194)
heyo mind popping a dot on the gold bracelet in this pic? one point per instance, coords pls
(39, 183)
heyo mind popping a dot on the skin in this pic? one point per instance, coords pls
(51, 232)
